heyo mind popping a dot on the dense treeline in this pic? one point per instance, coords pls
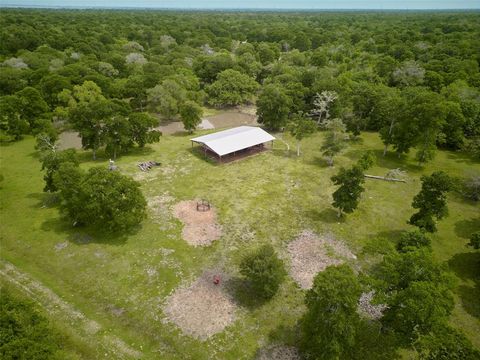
(414, 77)
(25, 332)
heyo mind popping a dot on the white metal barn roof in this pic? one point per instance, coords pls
(236, 139)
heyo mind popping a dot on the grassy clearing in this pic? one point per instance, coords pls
(122, 282)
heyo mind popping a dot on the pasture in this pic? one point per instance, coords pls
(109, 294)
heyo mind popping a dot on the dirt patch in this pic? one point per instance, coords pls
(241, 115)
(279, 352)
(200, 227)
(203, 308)
(171, 128)
(232, 118)
(81, 239)
(369, 310)
(310, 254)
(61, 246)
(69, 140)
(205, 125)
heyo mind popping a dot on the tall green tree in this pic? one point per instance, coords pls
(142, 131)
(445, 343)
(12, 124)
(32, 105)
(264, 271)
(191, 114)
(330, 325)
(335, 139)
(431, 201)
(273, 107)
(166, 98)
(100, 198)
(117, 133)
(347, 196)
(51, 162)
(420, 121)
(87, 110)
(419, 308)
(300, 127)
(25, 332)
(231, 88)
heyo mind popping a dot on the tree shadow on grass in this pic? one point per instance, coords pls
(281, 336)
(284, 334)
(182, 133)
(383, 242)
(372, 343)
(319, 161)
(467, 267)
(243, 294)
(35, 155)
(461, 156)
(102, 156)
(389, 161)
(465, 228)
(283, 153)
(44, 200)
(85, 235)
(137, 151)
(329, 216)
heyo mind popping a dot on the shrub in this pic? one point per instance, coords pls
(264, 270)
(24, 332)
(413, 239)
(475, 240)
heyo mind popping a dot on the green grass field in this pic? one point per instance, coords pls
(270, 197)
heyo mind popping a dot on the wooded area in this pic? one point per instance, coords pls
(413, 77)
(162, 253)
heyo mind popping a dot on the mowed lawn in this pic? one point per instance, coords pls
(122, 282)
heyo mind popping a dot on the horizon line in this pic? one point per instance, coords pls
(11, 6)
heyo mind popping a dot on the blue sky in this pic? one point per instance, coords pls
(274, 4)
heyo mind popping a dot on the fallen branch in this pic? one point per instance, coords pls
(384, 178)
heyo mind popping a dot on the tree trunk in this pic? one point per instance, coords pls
(94, 154)
(383, 178)
(330, 160)
(390, 130)
(114, 153)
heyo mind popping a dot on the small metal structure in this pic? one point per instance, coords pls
(228, 144)
(203, 205)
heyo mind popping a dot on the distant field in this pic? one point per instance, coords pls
(120, 285)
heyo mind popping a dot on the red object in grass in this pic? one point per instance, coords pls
(216, 279)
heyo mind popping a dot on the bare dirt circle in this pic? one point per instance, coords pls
(203, 308)
(200, 227)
